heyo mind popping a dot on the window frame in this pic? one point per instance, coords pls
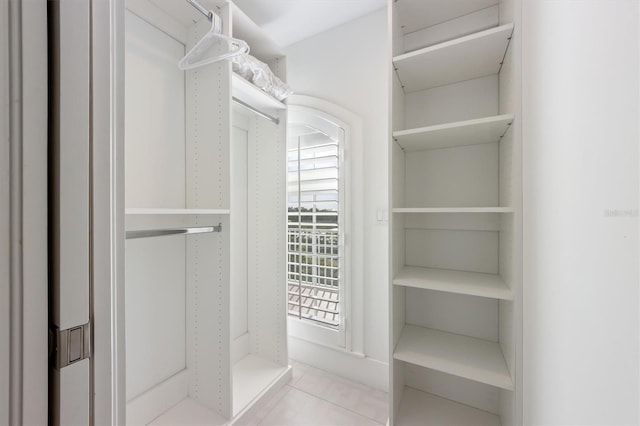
(310, 330)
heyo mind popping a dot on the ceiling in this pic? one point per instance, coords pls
(289, 21)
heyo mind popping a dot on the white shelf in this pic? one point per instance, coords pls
(476, 55)
(468, 357)
(175, 211)
(421, 408)
(253, 377)
(188, 412)
(459, 282)
(252, 95)
(452, 210)
(469, 132)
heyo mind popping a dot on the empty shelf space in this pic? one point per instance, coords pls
(463, 356)
(176, 212)
(254, 96)
(253, 376)
(189, 412)
(452, 210)
(468, 132)
(473, 56)
(459, 282)
(421, 408)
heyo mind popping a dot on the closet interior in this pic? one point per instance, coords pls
(455, 195)
(205, 154)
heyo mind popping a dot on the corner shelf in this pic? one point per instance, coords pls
(473, 56)
(459, 282)
(452, 210)
(467, 357)
(468, 132)
(176, 211)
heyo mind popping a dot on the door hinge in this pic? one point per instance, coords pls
(71, 345)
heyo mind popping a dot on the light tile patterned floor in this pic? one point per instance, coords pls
(316, 398)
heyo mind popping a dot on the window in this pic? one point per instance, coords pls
(315, 259)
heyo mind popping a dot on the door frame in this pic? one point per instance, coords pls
(353, 340)
(107, 211)
(23, 213)
(24, 351)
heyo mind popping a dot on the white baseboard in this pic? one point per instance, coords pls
(367, 371)
(264, 396)
(144, 408)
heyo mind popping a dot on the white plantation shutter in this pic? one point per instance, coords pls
(314, 226)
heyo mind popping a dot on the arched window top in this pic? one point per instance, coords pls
(318, 185)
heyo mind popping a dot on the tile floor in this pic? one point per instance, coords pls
(316, 398)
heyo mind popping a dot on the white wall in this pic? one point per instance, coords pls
(155, 268)
(581, 257)
(348, 66)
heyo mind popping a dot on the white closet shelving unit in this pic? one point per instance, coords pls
(456, 203)
(206, 313)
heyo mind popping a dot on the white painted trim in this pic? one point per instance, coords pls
(257, 403)
(357, 368)
(157, 400)
(70, 199)
(15, 205)
(108, 211)
(341, 131)
(317, 333)
(5, 225)
(34, 243)
(23, 231)
(354, 297)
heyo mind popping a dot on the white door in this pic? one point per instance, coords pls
(70, 212)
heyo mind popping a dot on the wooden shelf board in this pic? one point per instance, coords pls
(468, 357)
(421, 408)
(468, 132)
(473, 56)
(253, 376)
(452, 210)
(252, 95)
(459, 282)
(175, 211)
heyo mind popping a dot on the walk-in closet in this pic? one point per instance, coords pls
(319, 212)
(205, 226)
(455, 191)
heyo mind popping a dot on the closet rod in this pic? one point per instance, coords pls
(148, 233)
(200, 8)
(257, 111)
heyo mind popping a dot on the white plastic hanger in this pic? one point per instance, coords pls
(197, 55)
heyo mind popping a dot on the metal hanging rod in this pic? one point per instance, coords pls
(200, 8)
(210, 16)
(257, 111)
(148, 233)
